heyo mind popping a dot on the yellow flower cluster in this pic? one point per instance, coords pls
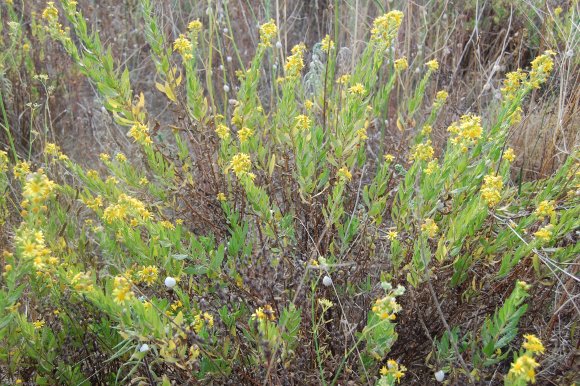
(401, 64)
(523, 369)
(430, 227)
(392, 235)
(422, 151)
(432, 166)
(268, 32)
(512, 83)
(509, 155)
(303, 122)
(50, 15)
(125, 206)
(327, 44)
(386, 307)
(82, 282)
(183, 46)
(264, 313)
(94, 203)
(545, 233)
(241, 165)
(3, 161)
(140, 133)
(148, 275)
(200, 320)
(440, 99)
(385, 28)
(533, 344)
(432, 65)
(357, 89)
(37, 189)
(344, 174)
(223, 132)
(295, 62)
(545, 209)
(491, 190)
(389, 158)
(167, 225)
(194, 26)
(21, 169)
(542, 66)
(426, 130)
(122, 290)
(467, 131)
(244, 134)
(362, 134)
(393, 369)
(343, 79)
(32, 245)
(53, 150)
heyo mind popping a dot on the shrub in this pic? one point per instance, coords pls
(255, 238)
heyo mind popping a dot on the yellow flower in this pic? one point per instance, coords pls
(303, 122)
(422, 151)
(385, 28)
(467, 130)
(544, 234)
(392, 235)
(148, 274)
(362, 134)
(545, 209)
(122, 290)
(344, 173)
(308, 104)
(430, 227)
(50, 13)
(509, 155)
(343, 79)
(401, 64)
(268, 32)
(223, 132)
(389, 157)
(433, 65)
(512, 83)
(221, 197)
(121, 157)
(38, 324)
(440, 99)
(295, 62)
(140, 133)
(143, 181)
(491, 189)
(357, 89)
(244, 134)
(104, 157)
(533, 344)
(241, 164)
(167, 225)
(194, 26)
(3, 161)
(541, 68)
(265, 313)
(327, 44)
(183, 46)
(426, 130)
(432, 166)
(21, 169)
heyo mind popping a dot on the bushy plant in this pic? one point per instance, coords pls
(253, 239)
